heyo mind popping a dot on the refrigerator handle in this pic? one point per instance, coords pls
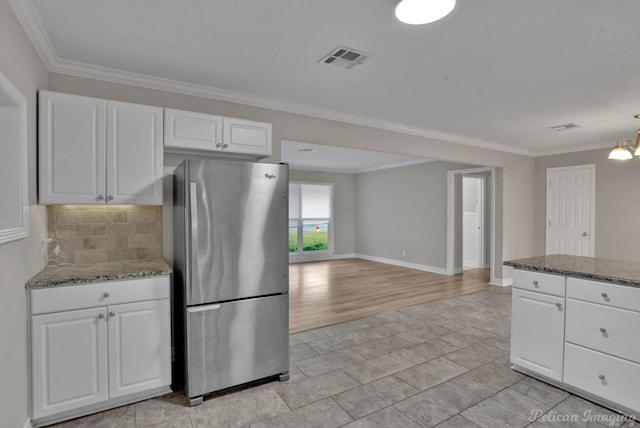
(193, 201)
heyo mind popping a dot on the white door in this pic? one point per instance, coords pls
(71, 139)
(69, 360)
(139, 347)
(246, 136)
(537, 332)
(134, 154)
(570, 210)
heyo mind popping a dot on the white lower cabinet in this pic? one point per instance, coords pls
(537, 332)
(90, 359)
(590, 346)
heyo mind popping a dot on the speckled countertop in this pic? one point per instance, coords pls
(615, 271)
(108, 271)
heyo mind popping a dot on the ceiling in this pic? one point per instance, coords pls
(494, 73)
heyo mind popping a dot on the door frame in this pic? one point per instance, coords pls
(592, 208)
(451, 269)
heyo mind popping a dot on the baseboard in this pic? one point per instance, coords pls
(426, 268)
(504, 282)
(319, 257)
(27, 424)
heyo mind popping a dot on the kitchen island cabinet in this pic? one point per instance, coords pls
(590, 345)
(98, 345)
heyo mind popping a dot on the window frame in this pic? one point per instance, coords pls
(301, 255)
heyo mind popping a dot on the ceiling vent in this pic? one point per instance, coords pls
(563, 127)
(344, 57)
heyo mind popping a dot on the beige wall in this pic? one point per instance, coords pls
(344, 206)
(21, 259)
(405, 209)
(617, 202)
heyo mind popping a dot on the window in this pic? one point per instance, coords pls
(310, 212)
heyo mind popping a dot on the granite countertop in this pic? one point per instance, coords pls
(614, 271)
(82, 274)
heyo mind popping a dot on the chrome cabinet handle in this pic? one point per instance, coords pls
(101, 316)
(601, 376)
(110, 198)
(99, 198)
(559, 305)
(585, 233)
(605, 296)
(106, 294)
(603, 330)
(112, 314)
(224, 146)
(536, 284)
(218, 144)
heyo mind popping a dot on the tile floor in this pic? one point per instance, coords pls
(443, 364)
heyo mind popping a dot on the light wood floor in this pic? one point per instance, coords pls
(330, 292)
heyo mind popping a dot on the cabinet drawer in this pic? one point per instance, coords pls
(56, 299)
(611, 330)
(619, 296)
(540, 282)
(611, 378)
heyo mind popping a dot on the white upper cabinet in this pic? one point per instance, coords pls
(95, 151)
(187, 132)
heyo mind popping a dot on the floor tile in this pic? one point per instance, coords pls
(506, 409)
(120, 417)
(349, 326)
(425, 351)
(466, 337)
(160, 409)
(380, 331)
(377, 348)
(427, 332)
(317, 388)
(431, 373)
(385, 418)
(488, 379)
(457, 421)
(334, 343)
(328, 362)
(301, 352)
(238, 409)
(502, 342)
(322, 414)
(175, 422)
(370, 370)
(476, 355)
(437, 404)
(374, 396)
(575, 412)
(305, 337)
(540, 391)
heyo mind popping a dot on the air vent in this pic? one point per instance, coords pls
(344, 57)
(563, 127)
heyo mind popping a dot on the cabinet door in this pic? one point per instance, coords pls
(246, 136)
(134, 154)
(69, 360)
(537, 333)
(72, 149)
(139, 347)
(186, 130)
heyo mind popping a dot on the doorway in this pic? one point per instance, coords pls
(474, 254)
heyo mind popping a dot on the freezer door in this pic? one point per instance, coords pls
(239, 230)
(232, 343)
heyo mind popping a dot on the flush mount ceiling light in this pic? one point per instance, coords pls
(624, 147)
(416, 12)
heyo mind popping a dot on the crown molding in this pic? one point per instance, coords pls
(564, 150)
(30, 20)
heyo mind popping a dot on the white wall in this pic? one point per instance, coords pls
(617, 202)
(19, 260)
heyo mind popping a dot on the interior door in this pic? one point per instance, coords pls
(570, 210)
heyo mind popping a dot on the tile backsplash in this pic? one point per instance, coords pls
(92, 234)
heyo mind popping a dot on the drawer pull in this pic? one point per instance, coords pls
(101, 316)
(112, 314)
(559, 306)
(605, 296)
(603, 330)
(535, 283)
(106, 294)
(601, 376)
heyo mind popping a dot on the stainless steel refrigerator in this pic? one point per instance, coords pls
(231, 313)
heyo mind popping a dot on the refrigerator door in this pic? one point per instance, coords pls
(238, 214)
(236, 342)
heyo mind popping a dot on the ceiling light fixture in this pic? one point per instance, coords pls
(416, 12)
(624, 147)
